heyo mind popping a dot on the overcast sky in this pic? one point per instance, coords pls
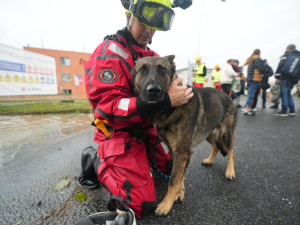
(213, 29)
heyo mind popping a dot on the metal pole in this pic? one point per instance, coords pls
(200, 25)
(62, 79)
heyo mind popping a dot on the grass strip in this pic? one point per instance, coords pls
(45, 107)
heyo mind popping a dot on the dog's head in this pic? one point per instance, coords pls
(152, 76)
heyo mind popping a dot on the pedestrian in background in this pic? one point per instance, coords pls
(199, 73)
(288, 74)
(255, 70)
(263, 85)
(237, 96)
(227, 76)
(216, 76)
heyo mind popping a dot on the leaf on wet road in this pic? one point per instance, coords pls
(80, 196)
(63, 183)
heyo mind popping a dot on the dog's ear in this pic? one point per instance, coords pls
(170, 58)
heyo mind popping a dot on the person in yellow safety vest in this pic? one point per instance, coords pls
(199, 73)
(216, 77)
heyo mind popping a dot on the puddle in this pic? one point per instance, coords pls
(19, 134)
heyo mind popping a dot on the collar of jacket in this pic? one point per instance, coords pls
(294, 52)
(252, 59)
(255, 56)
(128, 36)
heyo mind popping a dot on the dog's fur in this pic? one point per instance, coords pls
(209, 115)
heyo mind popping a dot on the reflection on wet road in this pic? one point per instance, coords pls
(23, 134)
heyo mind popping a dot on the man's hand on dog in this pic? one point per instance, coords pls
(179, 95)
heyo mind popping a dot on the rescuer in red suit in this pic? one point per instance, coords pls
(124, 135)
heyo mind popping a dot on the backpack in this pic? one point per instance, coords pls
(274, 93)
(236, 85)
(291, 65)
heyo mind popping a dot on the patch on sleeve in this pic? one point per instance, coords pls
(124, 104)
(108, 76)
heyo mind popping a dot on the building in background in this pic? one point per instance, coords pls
(38, 73)
(69, 71)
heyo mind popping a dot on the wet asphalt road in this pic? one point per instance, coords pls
(266, 189)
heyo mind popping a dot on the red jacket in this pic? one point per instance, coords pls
(109, 87)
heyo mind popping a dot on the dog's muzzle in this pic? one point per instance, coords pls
(153, 93)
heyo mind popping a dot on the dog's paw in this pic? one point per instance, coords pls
(206, 162)
(163, 209)
(181, 193)
(230, 175)
(181, 196)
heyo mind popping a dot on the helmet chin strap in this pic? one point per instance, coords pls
(128, 15)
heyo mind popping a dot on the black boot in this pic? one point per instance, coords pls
(275, 106)
(90, 162)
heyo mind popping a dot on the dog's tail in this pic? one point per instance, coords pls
(222, 150)
(226, 138)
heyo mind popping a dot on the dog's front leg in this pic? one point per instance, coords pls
(208, 161)
(230, 173)
(176, 184)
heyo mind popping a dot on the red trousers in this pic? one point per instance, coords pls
(127, 173)
(217, 85)
(198, 85)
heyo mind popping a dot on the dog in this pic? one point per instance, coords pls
(210, 114)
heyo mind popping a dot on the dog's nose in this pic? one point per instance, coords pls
(153, 90)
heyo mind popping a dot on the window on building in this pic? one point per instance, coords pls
(68, 91)
(66, 77)
(65, 61)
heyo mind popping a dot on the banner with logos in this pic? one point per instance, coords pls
(26, 73)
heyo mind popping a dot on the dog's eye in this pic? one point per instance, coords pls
(162, 70)
(143, 70)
